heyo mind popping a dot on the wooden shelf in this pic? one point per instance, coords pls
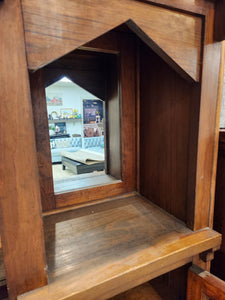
(101, 250)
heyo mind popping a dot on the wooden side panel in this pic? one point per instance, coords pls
(54, 28)
(218, 264)
(128, 113)
(166, 110)
(219, 23)
(203, 285)
(20, 210)
(202, 214)
(42, 139)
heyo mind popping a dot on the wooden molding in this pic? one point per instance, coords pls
(50, 35)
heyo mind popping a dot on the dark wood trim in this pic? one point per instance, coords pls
(21, 225)
(203, 285)
(126, 145)
(200, 211)
(219, 22)
(198, 7)
(39, 107)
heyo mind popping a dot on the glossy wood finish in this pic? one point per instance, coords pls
(168, 137)
(20, 204)
(102, 250)
(42, 139)
(203, 285)
(121, 155)
(201, 214)
(52, 29)
(218, 264)
(219, 23)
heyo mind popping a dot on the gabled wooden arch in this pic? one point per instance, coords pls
(55, 28)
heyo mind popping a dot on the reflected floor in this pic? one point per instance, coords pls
(65, 181)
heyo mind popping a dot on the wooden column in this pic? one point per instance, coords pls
(42, 139)
(200, 215)
(20, 210)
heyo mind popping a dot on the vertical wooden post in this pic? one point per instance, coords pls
(200, 215)
(20, 210)
(42, 139)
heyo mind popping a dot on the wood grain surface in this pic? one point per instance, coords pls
(53, 28)
(169, 108)
(121, 132)
(20, 204)
(203, 285)
(102, 250)
(41, 127)
(202, 212)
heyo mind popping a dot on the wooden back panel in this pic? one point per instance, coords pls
(169, 108)
(54, 28)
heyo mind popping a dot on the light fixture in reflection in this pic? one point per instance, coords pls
(65, 79)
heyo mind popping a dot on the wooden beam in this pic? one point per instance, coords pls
(50, 34)
(20, 210)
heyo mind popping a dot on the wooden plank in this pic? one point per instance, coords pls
(201, 214)
(51, 34)
(219, 22)
(102, 250)
(39, 107)
(203, 285)
(20, 209)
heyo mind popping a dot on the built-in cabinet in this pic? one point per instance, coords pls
(157, 69)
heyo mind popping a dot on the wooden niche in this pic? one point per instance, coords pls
(141, 226)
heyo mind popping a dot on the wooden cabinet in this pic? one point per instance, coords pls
(161, 71)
